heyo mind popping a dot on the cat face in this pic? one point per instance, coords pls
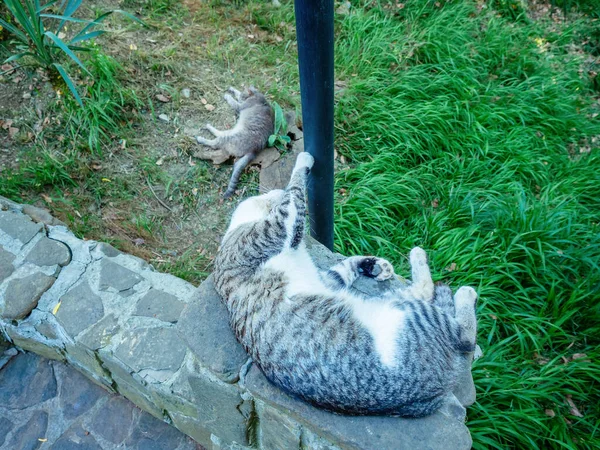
(255, 208)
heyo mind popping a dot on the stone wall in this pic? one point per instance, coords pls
(167, 346)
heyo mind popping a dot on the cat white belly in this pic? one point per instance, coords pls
(301, 273)
(384, 323)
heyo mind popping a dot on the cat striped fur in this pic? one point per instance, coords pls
(318, 339)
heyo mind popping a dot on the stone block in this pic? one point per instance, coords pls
(101, 333)
(6, 264)
(79, 309)
(151, 348)
(6, 427)
(113, 420)
(22, 294)
(198, 431)
(76, 438)
(220, 408)
(88, 363)
(35, 344)
(27, 437)
(204, 326)
(18, 226)
(108, 250)
(277, 429)
(437, 431)
(138, 394)
(465, 387)
(150, 433)
(116, 276)
(40, 215)
(26, 381)
(48, 252)
(77, 395)
(311, 441)
(160, 305)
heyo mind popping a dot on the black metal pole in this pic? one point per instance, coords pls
(314, 30)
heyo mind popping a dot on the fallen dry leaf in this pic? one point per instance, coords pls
(46, 198)
(5, 124)
(203, 101)
(160, 161)
(549, 413)
(435, 203)
(139, 241)
(580, 356)
(540, 359)
(132, 47)
(55, 310)
(209, 107)
(190, 162)
(452, 267)
(12, 131)
(96, 166)
(572, 408)
(6, 67)
(493, 316)
(163, 98)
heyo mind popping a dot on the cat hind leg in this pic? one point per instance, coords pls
(347, 271)
(422, 283)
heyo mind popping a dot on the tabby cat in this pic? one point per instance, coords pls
(318, 339)
(246, 139)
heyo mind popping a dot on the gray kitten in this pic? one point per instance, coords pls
(244, 141)
(319, 340)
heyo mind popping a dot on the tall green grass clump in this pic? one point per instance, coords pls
(474, 136)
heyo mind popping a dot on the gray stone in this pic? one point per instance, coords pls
(277, 430)
(48, 252)
(18, 226)
(108, 250)
(33, 343)
(221, 406)
(47, 329)
(312, 441)
(113, 420)
(153, 434)
(5, 427)
(204, 326)
(79, 309)
(198, 431)
(437, 431)
(6, 264)
(76, 438)
(465, 387)
(185, 93)
(136, 393)
(77, 395)
(160, 305)
(277, 175)
(116, 276)
(26, 380)
(101, 333)
(88, 363)
(40, 215)
(22, 294)
(27, 437)
(151, 348)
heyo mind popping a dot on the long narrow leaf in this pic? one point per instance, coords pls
(85, 37)
(14, 31)
(72, 6)
(18, 56)
(46, 6)
(66, 49)
(65, 76)
(69, 19)
(104, 16)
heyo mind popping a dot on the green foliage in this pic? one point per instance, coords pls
(32, 30)
(279, 138)
(476, 138)
(107, 107)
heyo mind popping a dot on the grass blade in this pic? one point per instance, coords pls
(66, 49)
(65, 76)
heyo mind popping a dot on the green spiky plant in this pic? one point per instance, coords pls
(40, 36)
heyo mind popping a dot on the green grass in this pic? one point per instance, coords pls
(464, 131)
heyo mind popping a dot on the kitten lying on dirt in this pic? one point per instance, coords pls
(246, 139)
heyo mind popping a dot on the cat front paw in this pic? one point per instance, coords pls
(304, 160)
(378, 268)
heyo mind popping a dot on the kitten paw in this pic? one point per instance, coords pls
(304, 160)
(465, 297)
(418, 257)
(378, 268)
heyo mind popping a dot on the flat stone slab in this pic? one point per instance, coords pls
(48, 252)
(160, 305)
(101, 333)
(138, 349)
(366, 432)
(28, 436)
(76, 438)
(78, 396)
(116, 276)
(79, 309)
(113, 420)
(25, 381)
(6, 264)
(18, 226)
(22, 294)
(204, 326)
